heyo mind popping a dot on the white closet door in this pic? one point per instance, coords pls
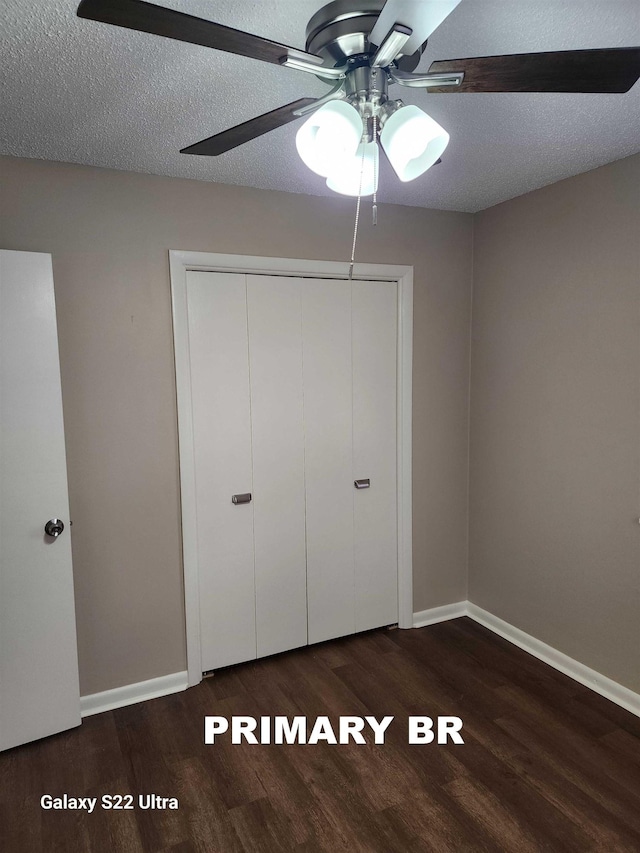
(217, 314)
(326, 334)
(374, 329)
(275, 349)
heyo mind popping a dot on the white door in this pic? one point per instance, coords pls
(277, 429)
(39, 693)
(293, 397)
(330, 493)
(374, 306)
(219, 354)
(350, 415)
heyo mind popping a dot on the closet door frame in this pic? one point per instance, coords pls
(181, 262)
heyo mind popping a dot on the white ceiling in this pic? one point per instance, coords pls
(84, 92)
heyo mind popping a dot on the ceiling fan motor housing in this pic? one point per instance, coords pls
(340, 30)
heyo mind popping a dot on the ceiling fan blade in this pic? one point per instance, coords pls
(602, 70)
(248, 130)
(149, 18)
(422, 16)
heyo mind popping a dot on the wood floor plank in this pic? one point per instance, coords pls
(114, 830)
(441, 765)
(262, 828)
(20, 818)
(530, 764)
(149, 773)
(338, 794)
(539, 819)
(593, 753)
(612, 796)
(210, 828)
(282, 769)
(625, 745)
(485, 808)
(439, 827)
(67, 832)
(225, 683)
(232, 765)
(174, 742)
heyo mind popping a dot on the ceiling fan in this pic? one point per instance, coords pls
(361, 48)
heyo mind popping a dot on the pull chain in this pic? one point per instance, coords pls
(374, 209)
(355, 227)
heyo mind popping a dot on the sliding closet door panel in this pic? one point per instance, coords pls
(275, 351)
(217, 314)
(374, 329)
(326, 334)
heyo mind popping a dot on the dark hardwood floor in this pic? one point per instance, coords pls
(547, 765)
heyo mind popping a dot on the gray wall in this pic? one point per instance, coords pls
(109, 233)
(555, 417)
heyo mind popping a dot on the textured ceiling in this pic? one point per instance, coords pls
(84, 92)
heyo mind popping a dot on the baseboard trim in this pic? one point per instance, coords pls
(581, 673)
(439, 614)
(606, 687)
(119, 697)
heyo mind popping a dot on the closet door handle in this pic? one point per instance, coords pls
(362, 484)
(241, 499)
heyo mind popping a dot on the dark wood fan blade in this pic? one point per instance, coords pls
(149, 18)
(603, 70)
(241, 133)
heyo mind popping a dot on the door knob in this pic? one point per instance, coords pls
(54, 527)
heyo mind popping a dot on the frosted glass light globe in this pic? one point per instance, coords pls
(329, 137)
(412, 141)
(346, 178)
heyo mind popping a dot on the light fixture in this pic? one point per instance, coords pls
(412, 141)
(357, 175)
(334, 139)
(330, 137)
